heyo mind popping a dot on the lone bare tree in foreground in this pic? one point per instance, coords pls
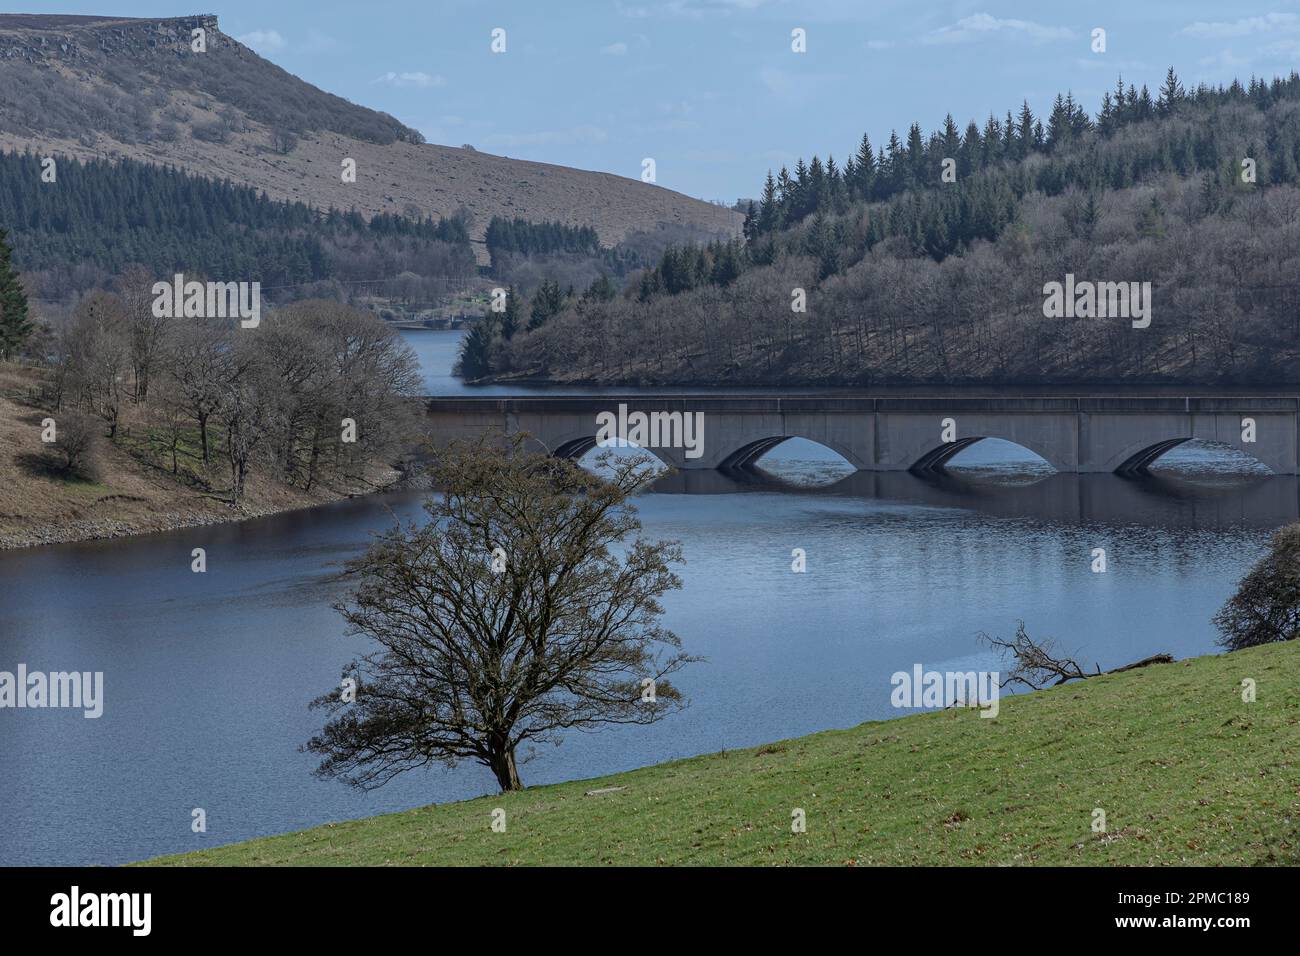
(505, 620)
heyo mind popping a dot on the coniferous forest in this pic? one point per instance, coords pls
(923, 259)
(105, 216)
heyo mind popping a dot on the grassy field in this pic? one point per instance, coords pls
(1186, 772)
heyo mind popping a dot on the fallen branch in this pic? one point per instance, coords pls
(1145, 662)
(1037, 664)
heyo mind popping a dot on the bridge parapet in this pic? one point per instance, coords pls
(1075, 433)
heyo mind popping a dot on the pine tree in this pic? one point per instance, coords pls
(951, 138)
(815, 197)
(1025, 131)
(892, 166)
(601, 289)
(915, 157)
(865, 169)
(476, 349)
(1170, 94)
(798, 197)
(992, 141)
(547, 303)
(769, 207)
(16, 326)
(1151, 223)
(834, 185)
(971, 155)
(511, 316)
(1058, 123)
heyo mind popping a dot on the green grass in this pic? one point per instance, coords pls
(151, 445)
(1186, 771)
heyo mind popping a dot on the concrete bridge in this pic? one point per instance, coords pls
(1082, 433)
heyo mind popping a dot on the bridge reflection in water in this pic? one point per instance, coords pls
(1151, 500)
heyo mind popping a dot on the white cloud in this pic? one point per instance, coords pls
(1282, 50)
(416, 79)
(1269, 22)
(267, 41)
(615, 49)
(983, 25)
(1225, 60)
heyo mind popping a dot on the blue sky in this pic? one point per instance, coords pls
(710, 88)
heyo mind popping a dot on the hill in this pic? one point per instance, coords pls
(1187, 773)
(132, 88)
(928, 260)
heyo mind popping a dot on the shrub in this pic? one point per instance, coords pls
(1266, 606)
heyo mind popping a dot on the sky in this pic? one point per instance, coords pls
(712, 89)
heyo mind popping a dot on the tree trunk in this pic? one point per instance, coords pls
(503, 765)
(203, 434)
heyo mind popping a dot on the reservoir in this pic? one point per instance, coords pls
(207, 677)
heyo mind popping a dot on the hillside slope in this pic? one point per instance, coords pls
(39, 505)
(1185, 205)
(1187, 773)
(117, 87)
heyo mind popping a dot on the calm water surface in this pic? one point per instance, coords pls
(208, 676)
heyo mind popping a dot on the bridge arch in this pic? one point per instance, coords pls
(1139, 456)
(577, 444)
(938, 457)
(747, 454)
(1232, 458)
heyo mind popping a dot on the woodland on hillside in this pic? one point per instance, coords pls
(912, 276)
(318, 394)
(525, 254)
(100, 217)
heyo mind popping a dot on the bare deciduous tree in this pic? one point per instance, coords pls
(199, 361)
(96, 357)
(147, 331)
(522, 609)
(284, 140)
(75, 439)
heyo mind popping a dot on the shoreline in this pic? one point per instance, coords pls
(885, 792)
(125, 496)
(111, 528)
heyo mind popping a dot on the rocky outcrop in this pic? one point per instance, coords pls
(37, 39)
